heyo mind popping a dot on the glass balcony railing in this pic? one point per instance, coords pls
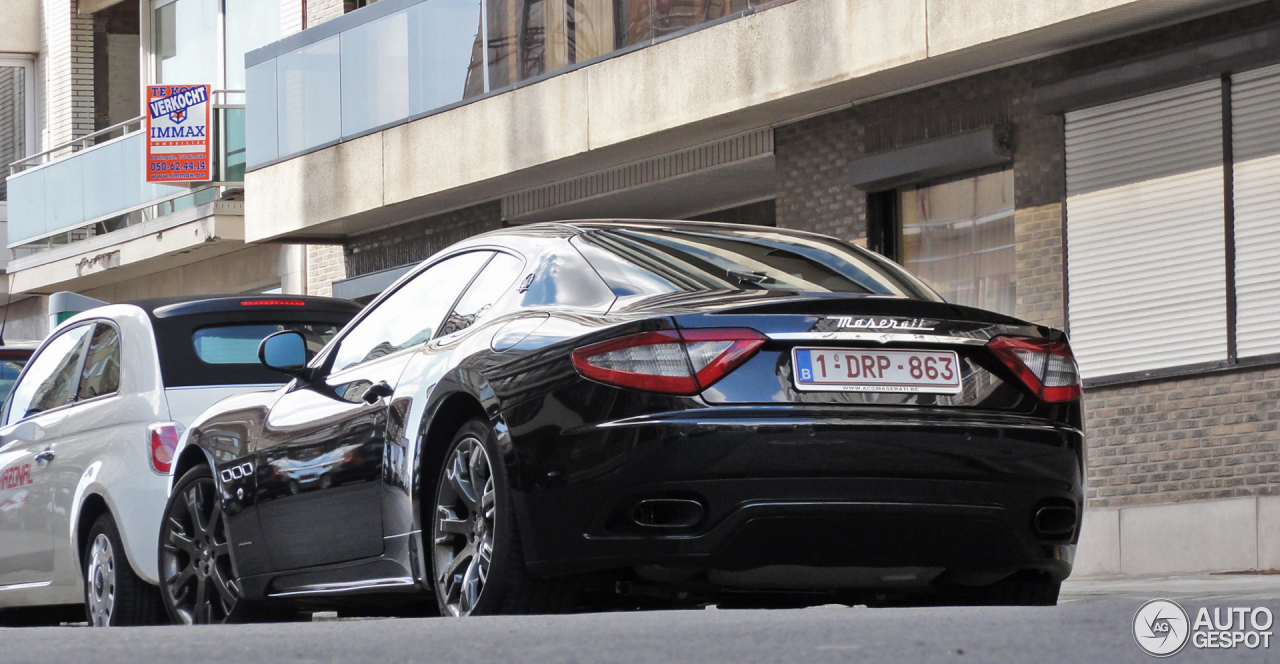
(96, 184)
(393, 62)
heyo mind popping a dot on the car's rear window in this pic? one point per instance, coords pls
(664, 260)
(238, 344)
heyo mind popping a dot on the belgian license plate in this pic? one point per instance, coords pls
(870, 370)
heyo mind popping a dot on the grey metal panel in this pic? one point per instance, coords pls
(369, 285)
(1192, 64)
(1255, 137)
(1145, 246)
(943, 157)
(678, 164)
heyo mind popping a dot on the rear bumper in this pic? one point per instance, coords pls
(804, 487)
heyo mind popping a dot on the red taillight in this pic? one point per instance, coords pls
(1046, 367)
(272, 303)
(164, 440)
(667, 361)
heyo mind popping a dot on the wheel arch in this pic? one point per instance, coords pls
(192, 456)
(93, 507)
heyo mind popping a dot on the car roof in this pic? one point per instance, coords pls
(569, 228)
(169, 307)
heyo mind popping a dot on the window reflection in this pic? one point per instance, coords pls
(959, 237)
(186, 44)
(456, 49)
(671, 16)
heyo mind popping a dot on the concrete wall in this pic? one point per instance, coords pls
(1209, 536)
(26, 319)
(20, 29)
(250, 269)
(768, 67)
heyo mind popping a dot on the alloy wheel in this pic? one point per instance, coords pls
(101, 577)
(196, 556)
(463, 529)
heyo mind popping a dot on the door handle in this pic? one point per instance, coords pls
(43, 458)
(377, 391)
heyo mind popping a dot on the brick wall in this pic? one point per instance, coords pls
(1038, 234)
(66, 73)
(325, 265)
(812, 157)
(290, 17)
(814, 194)
(1198, 438)
(417, 240)
(319, 11)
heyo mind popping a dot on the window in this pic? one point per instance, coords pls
(184, 39)
(648, 262)
(49, 380)
(958, 236)
(493, 282)
(238, 344)
(10, 369)
(101, 373)
(409, 316)
(16, 106)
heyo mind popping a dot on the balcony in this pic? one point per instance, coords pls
(96, 184)
(79, 212)
(394, 62)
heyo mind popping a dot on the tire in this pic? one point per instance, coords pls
(476, 561)
(197, 580)
(114, 595)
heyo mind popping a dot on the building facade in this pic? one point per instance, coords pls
(1107, 167)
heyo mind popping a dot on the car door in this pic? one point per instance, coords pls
(321, 448)
(428, 367)
(33, 421)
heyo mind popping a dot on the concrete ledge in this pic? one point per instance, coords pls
(129, 255)
(767, 68)
(1237, 534)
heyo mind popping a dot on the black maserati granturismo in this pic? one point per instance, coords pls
(600, 413)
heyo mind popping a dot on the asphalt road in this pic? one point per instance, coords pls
(1092, 624)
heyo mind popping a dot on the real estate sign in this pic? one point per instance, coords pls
(178, 127)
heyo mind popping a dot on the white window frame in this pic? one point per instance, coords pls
(146, 28)
(29, 118)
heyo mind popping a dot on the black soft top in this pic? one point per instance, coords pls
(176, 319)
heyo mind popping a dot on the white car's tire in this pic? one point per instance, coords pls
(113, 592)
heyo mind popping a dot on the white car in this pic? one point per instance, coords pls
(88, 434)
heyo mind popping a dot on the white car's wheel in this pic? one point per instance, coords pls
(113, 593)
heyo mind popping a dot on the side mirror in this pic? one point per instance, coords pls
(285, 352)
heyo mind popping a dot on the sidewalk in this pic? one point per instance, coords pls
(1204, 587)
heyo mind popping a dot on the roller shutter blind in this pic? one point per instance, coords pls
(1255, 139)
(1145, 226)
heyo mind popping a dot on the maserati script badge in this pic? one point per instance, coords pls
(912, 325)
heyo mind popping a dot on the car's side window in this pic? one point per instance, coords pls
(410, 315)
(494, 280)
(52, 377)
(101, 374)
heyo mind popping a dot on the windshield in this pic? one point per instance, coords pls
(664, 260)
